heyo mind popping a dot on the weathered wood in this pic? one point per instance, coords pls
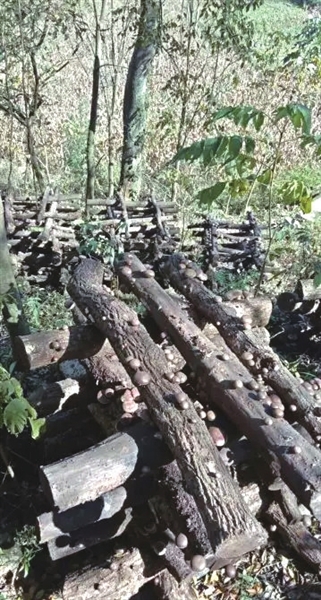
(298, 461)
(297, 535)
(116, 577)
(241, 341)
(77, 434)
(54, 396)
(167, 588)
(231, 528)
(54, 524)
(103, 467)
(306, 290)
(43, 348)
(182, 514)
(107, 369)
(88, 536)
(258, 309)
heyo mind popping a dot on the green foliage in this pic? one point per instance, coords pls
(15, 411)
(29, 546)
(228, 280)
(94, 241)
(46, 310)
(74, 149)
(235, 156)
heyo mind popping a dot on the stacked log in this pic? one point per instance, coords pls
(226, 242)
(200, 517)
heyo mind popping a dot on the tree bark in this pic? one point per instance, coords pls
(9, 294)
(135, 98)
(296, 460)
(103, 467)
(241, 341)
(34, 160)
(46, 347)
(232, 529)
(117, 577)
(91, 167)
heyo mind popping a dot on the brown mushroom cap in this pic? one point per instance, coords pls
(230, 571)
(217, 436)
(181, 541)
(141, 378)
(126, 271)
(198, 563)
(134, 363)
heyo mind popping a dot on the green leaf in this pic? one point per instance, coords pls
(258, 120)
(234, 147)
(225, 112)
(210, 149)
(306, 204)
(265, 177)
(190, 153)
(208, 195)
(249, 145)
(299, 115)
(15, 416)
(317, 280)
(36, 427)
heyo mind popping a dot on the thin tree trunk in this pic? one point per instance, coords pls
(135, 98)
(91, 167)
(34, 160)
(9, 294)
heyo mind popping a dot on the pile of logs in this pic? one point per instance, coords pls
(224, 243)
(46, 233)
(175, 412)
(298, 319)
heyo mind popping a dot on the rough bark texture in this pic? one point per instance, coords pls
(91, 163)
(293, 457)
(9, 293)
(297, 535)
(103, 467)
(54, 524)
(55, 396)
(231, 528)
(167, 588)
(241, 341)
(135, 98)
(43, 348)
(117, 577)
(306, 290)
(88, 536)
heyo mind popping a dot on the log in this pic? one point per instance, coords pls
(49, 398)
(77, 434)
(298, 462)
(231, 528)
(103, 467)
(241, 341)
(54, 524)
(167, 588)
(117, 576)
(85, 537)
(49, 216)
(306, 290)
(107, 369)
(295, 533)
(42, 349)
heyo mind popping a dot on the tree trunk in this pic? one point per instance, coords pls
(9, 294)
(135, 99)
(34, 160)
(91, 167)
